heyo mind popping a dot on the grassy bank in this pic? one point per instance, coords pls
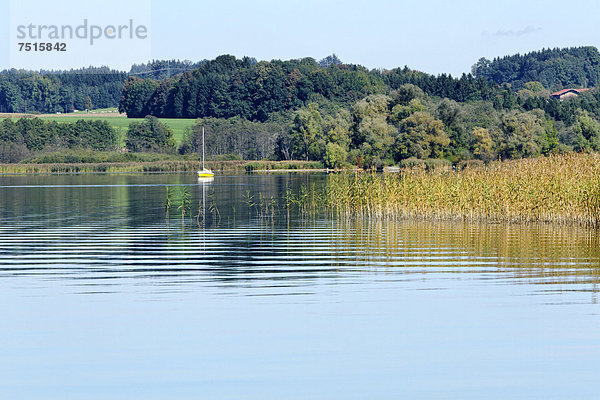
(119, 122)
(559, 189)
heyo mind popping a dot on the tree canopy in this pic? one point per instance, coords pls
(553, 68)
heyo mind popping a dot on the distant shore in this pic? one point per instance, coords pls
(79, 114)
(159, 166)
(559, 189)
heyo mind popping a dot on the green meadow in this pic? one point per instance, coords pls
(179, 126)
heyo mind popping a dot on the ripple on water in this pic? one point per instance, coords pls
(100, 258)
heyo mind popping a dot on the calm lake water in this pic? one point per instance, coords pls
(107, 294)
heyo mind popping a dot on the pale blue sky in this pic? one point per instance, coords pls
(431, 35)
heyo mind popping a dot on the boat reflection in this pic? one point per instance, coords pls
(205, 180)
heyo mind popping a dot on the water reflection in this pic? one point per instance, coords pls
(236, 233)
(260, 255)
(539, 253)
(163, 282)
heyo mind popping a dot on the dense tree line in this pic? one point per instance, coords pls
(227, 87)
(337, 113)
(24, 136)
(62, 91)
(402, 127)
(379, 129)
(408, 124)
(163, 69)
(235, 138)
(150, 135)
(553, 68)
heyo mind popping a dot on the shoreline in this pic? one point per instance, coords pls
(162, 166)
(555, 190)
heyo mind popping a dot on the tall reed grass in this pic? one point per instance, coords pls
(561, 189)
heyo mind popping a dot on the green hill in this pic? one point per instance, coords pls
(554, 68)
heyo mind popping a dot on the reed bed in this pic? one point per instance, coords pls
(73, 168)
(150, 166)
(282, 165)
(562, 189)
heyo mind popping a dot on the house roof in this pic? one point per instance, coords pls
(561, 92)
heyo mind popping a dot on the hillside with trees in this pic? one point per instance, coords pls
(339, 114)
(347, 115)
(555, 69)
(62, 91)
(405, 127)
(227, 87)
(163, 69)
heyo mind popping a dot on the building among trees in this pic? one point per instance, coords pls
(567, 93)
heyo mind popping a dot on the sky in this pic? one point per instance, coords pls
(429, 35)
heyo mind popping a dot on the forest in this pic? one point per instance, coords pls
(23, 137)
(346, 115)
(336, 113)
(555, 69)
(405, 126)
(59, 91)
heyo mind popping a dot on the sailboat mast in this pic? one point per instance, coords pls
(203, 148)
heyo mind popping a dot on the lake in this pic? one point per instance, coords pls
(159, 286)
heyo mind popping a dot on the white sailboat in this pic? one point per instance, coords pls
(204, 173)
